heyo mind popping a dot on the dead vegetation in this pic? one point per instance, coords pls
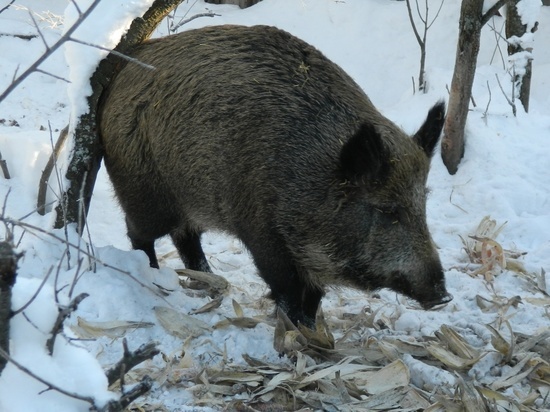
(359, 362)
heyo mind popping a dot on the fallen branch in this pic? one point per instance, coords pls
(130, 359)
(46, 173)
(128, 397)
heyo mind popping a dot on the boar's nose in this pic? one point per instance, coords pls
(437, 303)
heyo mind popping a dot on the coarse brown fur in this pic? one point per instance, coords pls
(253, 132)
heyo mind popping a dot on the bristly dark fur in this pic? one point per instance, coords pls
(251, 131)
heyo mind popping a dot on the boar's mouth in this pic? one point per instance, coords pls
(437, 303)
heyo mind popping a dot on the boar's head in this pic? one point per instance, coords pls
(384, 238)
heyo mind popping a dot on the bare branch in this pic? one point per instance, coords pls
(510, 102)
(411, 18)
(116, 53)
(436, 14)
(131, 359)
(26, 305)
(63, 314)
(52, 162)
(7, 6)
(28, 226)
(38, 30)
(55, 76)
(489, 102)
(420, 14)
(4, 167)
(492, 11)
(128, 397)
(75, 4)
(196, 16)
(49, 52)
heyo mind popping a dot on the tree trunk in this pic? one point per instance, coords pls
(87, 153)
(522, 76)
(8, 267)
(243, 4)
(452, 145)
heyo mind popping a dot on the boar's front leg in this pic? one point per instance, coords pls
(188, 244)
(296, 298)
(290, 290)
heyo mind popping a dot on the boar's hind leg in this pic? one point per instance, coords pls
(189, 247)
(140, 242)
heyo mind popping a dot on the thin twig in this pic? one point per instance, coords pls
(50, 51)
(492, 11)
(489, 102)
(116, 53)
(26, 305)
(52, 162)
(182, 22)
(76, 278)
(413, 24)
(4, 167)
(128, 397)
(7, 6)
(131, 359)
(55, 76)
(23, 369)
(38, 30)
(498, 37)
(72, 245)
(63, 314)
(510, 102)
(436, 14)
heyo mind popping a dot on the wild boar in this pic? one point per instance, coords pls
(253, 132)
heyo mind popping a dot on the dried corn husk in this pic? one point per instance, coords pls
(180, 325)
(111, 329)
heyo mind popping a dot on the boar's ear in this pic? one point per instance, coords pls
(428, 134)
(363, 158)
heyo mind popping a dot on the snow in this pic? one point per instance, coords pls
(504, 174)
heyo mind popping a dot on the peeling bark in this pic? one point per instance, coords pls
(472, 20)
(515, 27)
(87, 153)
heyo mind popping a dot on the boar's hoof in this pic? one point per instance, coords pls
(437, 303)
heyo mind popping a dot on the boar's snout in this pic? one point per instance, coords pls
(436, 303)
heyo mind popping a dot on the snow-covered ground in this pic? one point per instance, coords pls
(505, 174)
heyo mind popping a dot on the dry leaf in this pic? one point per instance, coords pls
(450, 359)
(180, 325)
(238, 309)
(501, 344)
(394, 375)
(213, 304)
(215, 282)
(243, 323)
(471, 399)
(456, 343)
(111, 329)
